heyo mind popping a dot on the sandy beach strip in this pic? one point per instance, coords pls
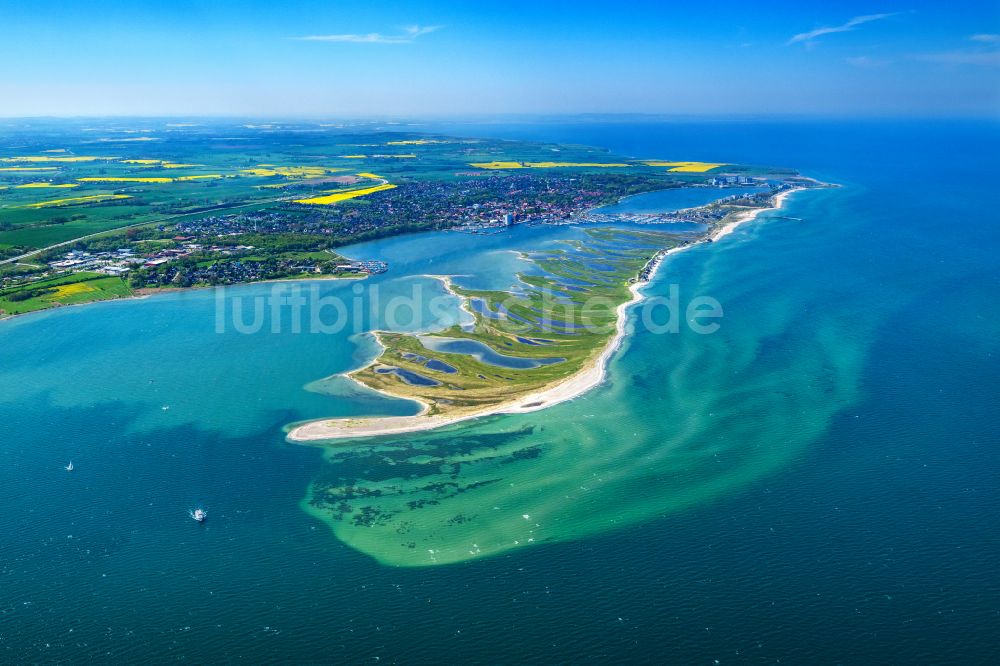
(571, 387)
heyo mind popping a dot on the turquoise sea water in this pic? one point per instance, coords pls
(815, 482)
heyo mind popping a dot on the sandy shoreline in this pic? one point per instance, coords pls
(573, 386)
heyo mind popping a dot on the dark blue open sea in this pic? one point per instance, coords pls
(817, 482)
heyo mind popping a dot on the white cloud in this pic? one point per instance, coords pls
(985, 37)
(408, 34)
(417, 30)
(846, 27)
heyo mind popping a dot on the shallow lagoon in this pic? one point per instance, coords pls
(667, 201)
(408, 376)
(484, 353)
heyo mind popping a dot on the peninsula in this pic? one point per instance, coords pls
(546, 343)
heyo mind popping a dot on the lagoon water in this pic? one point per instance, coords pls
(667, 201)
(815, 482)
(484, 353)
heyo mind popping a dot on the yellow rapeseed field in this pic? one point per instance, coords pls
(689, 167)
(373, 176)
(344, 196)
(498, 165)
(64, 290)
(47, 185)
(290, 171)
(207, 176)
(163, 164)
(91, 198)
(123, 179)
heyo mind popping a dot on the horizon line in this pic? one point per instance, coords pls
(377, 117)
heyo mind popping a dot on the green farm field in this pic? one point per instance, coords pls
(70, 289)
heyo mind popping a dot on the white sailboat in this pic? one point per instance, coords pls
(69, 467)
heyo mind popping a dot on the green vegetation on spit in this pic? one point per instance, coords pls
(568, 311)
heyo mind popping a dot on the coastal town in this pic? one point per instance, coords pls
(484, 201)
(293, 240)
(185, 262)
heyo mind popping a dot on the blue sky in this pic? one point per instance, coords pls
(339, 59)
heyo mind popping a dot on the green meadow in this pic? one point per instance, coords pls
(70, 289)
